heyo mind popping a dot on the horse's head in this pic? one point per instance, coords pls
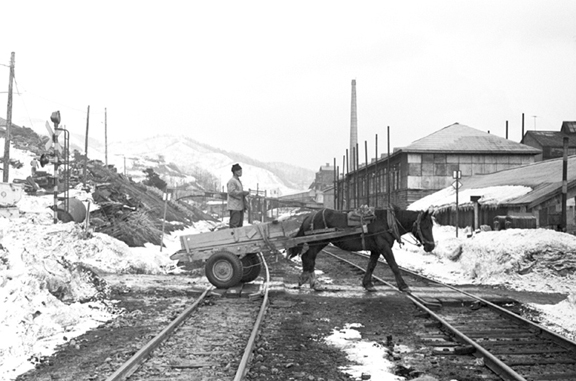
(422, 230)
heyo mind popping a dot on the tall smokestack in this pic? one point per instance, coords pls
(353, 126)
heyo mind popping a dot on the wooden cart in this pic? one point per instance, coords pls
(231, 255)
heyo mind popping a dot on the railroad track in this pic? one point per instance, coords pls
(213, 339)
(488, 330)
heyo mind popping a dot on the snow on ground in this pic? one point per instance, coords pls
(538, 260)
(47, 287)
(370, 357)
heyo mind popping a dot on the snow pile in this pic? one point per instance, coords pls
(537, 260)
(523, 259)
(49, 288)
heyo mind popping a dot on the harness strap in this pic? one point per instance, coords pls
(392, 225)
(323, 220)
(312, 222)
(362, 234)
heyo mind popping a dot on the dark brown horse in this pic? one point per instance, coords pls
(378, 239)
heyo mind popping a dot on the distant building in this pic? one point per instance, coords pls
(551, 143)
(428, 165)
(328, 197)
(533, 190)
(324, 178)
(302, 199)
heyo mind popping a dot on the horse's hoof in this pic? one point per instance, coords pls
(371, 289)
(318, 287)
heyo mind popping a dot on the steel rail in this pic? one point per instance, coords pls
(558, 339)
(358, 267)
(130, 366)
(248, 351)
(492, 362)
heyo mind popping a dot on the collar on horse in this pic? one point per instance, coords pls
(393, 225)
(323, 219)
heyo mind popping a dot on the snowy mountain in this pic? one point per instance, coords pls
(181, 160)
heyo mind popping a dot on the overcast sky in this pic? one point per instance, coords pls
(272, 79)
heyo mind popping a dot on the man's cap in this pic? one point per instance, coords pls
(236, 167)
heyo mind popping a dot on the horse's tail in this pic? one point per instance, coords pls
(297, 250)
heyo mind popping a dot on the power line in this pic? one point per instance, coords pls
(23, 103)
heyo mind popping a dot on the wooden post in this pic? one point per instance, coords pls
(8, 122)
(343, 187)
(506, 129)
(335, 185)
(347, 182)
(367, 185)
(337, 200)
(86, 144)
(457, 174)
(475, 200)
(166, 197)
(563, 224)
(522, 138)
(388, 189)
(357, 160)
(106, 136)
(377, 179)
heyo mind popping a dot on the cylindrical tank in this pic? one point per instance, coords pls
(76, 211)
(10, 193)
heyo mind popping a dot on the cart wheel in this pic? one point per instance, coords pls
(223, 269)
(252, 265)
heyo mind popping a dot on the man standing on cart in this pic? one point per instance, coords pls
(236, 198)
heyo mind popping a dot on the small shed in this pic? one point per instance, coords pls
(534, 189)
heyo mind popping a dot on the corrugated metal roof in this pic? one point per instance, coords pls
(552, 138)
(458, 138)
(544, 177)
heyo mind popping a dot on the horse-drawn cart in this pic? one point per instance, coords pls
(231, 255)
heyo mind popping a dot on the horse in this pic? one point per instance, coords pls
(378, 239)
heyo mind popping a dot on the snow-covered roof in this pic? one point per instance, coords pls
(526, 185)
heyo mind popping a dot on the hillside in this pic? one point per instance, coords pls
(181, 159)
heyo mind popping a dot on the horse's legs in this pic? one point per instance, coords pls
(367, 280)
(308, 264)
(389, 256)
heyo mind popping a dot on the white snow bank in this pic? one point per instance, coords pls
(49, 290)
(537, 260)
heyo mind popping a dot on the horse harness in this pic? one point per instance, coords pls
(364, 215)
(416, 226)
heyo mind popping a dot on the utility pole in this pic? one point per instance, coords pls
(367, 184)
(8, 122)
(563, 223)
(388, 188)
(106, 137)
(86, 144)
